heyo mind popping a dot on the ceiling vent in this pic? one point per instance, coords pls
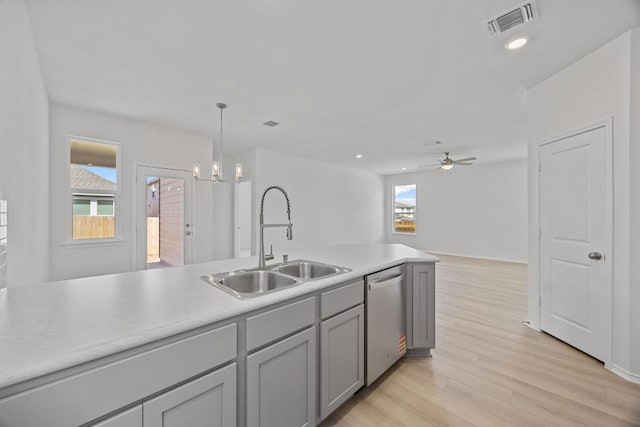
(512, 18)
(271, 123)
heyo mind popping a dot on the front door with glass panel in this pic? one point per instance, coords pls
(163, 217)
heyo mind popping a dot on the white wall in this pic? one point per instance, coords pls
(223, 194)
(586, 92)
(243, 217)
(140, 143)
(24, 149)
(248, 160)
(329, 204)
(478, 211)
(634, 161)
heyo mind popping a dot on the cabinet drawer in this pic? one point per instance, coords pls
(89, 395)
(130, 418)
(273, 324)
(208, 401)
(340, 299)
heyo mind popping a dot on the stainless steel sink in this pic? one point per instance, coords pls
(249, 284)
(252, 283)
(306, 269)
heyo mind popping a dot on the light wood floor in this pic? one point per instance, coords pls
(490, 370)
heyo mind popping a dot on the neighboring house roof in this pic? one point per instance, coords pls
(403, 205)
(84, 180)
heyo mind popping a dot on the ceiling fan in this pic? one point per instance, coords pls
(448, 163)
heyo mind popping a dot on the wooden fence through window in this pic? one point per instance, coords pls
(93, 227)
(405, 227)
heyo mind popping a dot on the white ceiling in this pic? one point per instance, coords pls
(341, 76)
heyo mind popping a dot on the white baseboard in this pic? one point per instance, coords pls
(629, 376)
(529, 325)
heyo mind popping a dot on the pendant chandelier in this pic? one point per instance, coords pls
(216, 164)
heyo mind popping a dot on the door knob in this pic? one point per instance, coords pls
(595, 255)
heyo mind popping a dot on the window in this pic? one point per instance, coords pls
(404, 209)
(81, 207)
(105, 207)
(93, 180)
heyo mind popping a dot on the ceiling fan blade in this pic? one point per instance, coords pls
(467, 159)
(430, 165)
(463, 164)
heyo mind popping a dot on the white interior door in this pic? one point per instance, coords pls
(164, 228)
(574, 218)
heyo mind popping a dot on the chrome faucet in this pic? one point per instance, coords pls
(261, 257)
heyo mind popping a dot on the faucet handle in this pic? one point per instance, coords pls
(269, 256)
(285, 258)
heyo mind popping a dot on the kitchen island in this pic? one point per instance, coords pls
(84, 337)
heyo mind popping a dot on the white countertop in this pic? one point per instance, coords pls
(53, 326)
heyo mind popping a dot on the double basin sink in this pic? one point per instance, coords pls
(254, 282)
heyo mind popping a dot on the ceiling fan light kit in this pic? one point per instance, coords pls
(448, 163)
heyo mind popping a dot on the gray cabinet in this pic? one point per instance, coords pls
(281, 383)
(274, 324)
(421, 320)
(340, 299)
(341, 358)
(129, 418)
(209, 401)
(77, 400)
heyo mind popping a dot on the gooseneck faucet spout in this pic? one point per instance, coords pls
(262, 257)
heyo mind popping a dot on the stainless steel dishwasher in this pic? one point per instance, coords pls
(386, 327)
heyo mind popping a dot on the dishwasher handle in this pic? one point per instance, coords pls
(391, 281)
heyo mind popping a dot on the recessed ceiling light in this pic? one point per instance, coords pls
(404, 169)
(516, 43)
(358, 156)
(271, 123)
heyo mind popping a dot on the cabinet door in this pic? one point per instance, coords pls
(421, 307)
(341, 358)
(209, 401)
(281, 383)
(129, 418)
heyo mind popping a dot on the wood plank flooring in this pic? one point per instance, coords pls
(490, 370)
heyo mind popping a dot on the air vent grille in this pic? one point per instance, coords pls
(512, 18)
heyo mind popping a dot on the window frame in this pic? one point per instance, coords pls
(393, 211)
(72, 192)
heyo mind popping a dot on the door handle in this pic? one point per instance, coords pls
(595, 255)
(188, 233)
(392, 281)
